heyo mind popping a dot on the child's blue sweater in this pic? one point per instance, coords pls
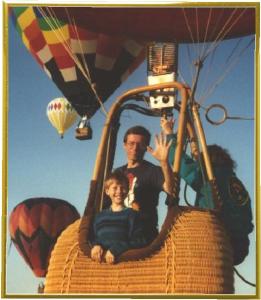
(118, 231)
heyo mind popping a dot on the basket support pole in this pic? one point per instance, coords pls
(212, 180)
(97, 178)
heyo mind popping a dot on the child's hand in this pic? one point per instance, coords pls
(167, 125)
(109, 257)
(96, 253)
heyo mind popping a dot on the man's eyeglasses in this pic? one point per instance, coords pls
(133, 144)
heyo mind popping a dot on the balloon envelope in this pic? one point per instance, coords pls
(86, 66)
(34, 227)
(206, 24)
(61, 114)
(111, 42)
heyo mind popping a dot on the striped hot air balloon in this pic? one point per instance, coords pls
(34, 227)
(61, 114)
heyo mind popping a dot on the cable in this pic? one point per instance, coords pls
(63, 39)
(185, 195)
(242, 278)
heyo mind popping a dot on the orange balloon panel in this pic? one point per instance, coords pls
(35, 225)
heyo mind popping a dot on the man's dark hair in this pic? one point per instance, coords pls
(140, 131)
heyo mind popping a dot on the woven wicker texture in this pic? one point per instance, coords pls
(195, 258)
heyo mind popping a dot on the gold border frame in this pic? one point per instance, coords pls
(257, 189)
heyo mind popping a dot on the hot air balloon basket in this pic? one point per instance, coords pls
(195, 258)
(83, 133)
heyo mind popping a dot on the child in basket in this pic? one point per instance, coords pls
(117, 228)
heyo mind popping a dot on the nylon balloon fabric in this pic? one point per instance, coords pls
(89, 51)
(182, 24)
(34, 227)
(86, 66)
(61, 114)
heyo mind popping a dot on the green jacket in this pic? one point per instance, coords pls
(237, 218)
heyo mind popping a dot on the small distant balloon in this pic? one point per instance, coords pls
(61, 114)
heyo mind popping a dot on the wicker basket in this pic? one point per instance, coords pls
(194, 258)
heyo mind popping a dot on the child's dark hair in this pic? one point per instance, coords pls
(220, 157)
(140, 130)
(118, 176)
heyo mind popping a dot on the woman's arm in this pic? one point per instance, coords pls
(190, 169)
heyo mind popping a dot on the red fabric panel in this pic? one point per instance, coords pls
(62, 58)
(34, 220)
(35, 36)
(14, 220)
(63, 216)
(82, 34)
(46, 218)
(160, 24)
(109, 46)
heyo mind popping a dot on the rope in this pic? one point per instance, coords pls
(204, 179)
(142, 110)
(224, 31)
(198, 65)
(173, 248)
(66, 261)
(206, 32)
(79, 42)
(243, 279)
(197, 27)
(182, 79)
(167, 276)
(227, 70)
(196, 50)
(188, 27)
(85, 63)
(207, 74)
(9, 248)
(217, 23)
(200, 161)
(61, 38)
(185, 195)
(105, 168)
(227, 26)
(70, 270)
(189, 60)
(233, 50)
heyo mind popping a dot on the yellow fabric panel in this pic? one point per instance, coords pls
(56, 36)
(26, 41)
(26, 18)
(54, 119)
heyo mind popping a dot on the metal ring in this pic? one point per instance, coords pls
(221, 120)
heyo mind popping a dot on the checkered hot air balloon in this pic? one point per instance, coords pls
(87, 66)
(34, 227)
(61, 114)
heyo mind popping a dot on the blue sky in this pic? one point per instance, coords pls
(41, 164)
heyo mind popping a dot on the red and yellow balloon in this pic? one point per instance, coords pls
(34, 227)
